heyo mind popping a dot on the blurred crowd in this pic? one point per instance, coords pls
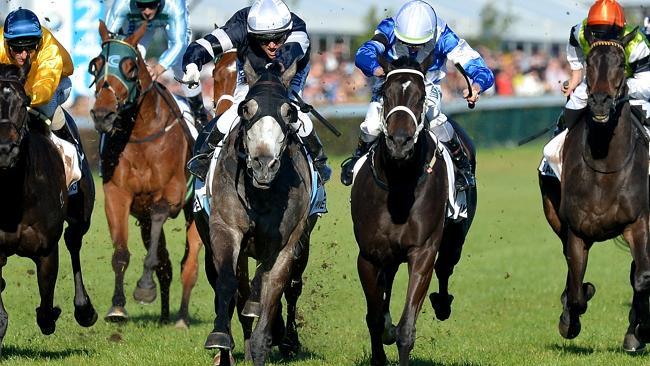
(334, 79)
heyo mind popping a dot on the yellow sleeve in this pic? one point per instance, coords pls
(44, 80)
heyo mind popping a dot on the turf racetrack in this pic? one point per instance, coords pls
(507, 294)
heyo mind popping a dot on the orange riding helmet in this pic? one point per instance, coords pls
(606, 12)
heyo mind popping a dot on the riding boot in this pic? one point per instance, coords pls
(347, 166)
(572, 116)
(315, 149)
(465, 180)
(200, 162)
(560, 124)
(198, 111)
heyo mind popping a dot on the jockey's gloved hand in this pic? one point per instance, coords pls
(192, 75)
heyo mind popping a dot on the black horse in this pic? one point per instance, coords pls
(399, 212)
(260, 209)
(603, 192)
(32, 184)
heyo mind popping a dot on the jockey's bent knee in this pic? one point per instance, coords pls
(444, 131)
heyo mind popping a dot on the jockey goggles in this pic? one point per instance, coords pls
(266, 38)
(19, 45)
(147, 5)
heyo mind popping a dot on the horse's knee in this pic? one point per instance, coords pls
(120, 261)
(405, 337)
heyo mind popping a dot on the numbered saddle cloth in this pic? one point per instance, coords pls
(71, 162)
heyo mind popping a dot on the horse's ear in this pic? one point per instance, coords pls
(426, 63)
(629, 37)
(134, 38)
(103, 31)
(289, 73)
(249, 71)
(385, 64)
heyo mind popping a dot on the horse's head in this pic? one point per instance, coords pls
(120, 73)
(606, 86)
(403, 95)
(265, 117)
(13, 113)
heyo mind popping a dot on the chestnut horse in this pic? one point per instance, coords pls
(399, 212)
(145, 150)
(603, 191)
(225, 81)
(35, 197)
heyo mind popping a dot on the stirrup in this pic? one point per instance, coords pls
(199, 165)
(464, 181)
(347, 170)
(324, 171)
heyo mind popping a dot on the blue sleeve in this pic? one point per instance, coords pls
(381, 42)
(457, 50)
(117, 15)
(177, 33)
(297, 44)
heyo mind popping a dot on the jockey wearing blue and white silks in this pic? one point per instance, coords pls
(263, 33)
(416, 31)
(126, 16)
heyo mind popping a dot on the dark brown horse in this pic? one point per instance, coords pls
(144, 154)
(33, 190)
(260, 209)
(603, 192)
(399, 213)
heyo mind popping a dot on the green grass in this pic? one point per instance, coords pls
(506, 286)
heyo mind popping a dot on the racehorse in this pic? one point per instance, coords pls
(603, 191)
(224, 75)
(260, 209)
(144, 153)
(399, 212)
(33, 186)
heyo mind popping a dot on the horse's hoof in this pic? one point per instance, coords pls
(389, 336)
(217, 360)
(85, 315)
(219, 340)
(289, 347)
(252, 309)
(145, 295)
(632, 345)
(568, 329)
(182, 324)
(589, 290)
(46, 320)
(642, 333)
(441, 305)
(116, 314)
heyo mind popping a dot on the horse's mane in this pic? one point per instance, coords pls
(405, 62)
(11, 71)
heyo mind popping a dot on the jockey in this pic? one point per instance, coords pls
(32, 47)
(606, 21)
(263, 33)
(416, 31)
(124, 18)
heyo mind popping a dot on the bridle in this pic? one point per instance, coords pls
(619, 98)
(22, 130)
(419, 122)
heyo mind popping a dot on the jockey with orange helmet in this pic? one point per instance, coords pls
(606, 21)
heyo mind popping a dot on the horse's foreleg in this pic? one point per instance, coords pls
(273, 285)
(116, 205)
(47, 269)
(576, 294)
(189, 273)
(84, 312)
(448, 256)
(637, 237)
(145, 291)
(4, 317)
(420, 271)
(369, 276)
(290, 345)
(243, 294)
(252, 307)
(164, 274)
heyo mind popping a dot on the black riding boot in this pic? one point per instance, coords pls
(347, 166)
(315, 149)
(465, 180)
(568, 119)
(200, 162)
(198, 111)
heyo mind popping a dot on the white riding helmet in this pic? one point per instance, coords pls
(269, 16)
(415, 22)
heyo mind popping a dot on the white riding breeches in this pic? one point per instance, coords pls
(438, 123)
(578, 100)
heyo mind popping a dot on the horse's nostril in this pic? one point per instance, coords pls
(274, 164)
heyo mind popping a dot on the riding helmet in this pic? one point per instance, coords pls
(415, 23)
(22, 28)
(269, 19)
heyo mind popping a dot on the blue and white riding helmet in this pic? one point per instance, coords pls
(22, 28)
(416, 23)
(269, 19)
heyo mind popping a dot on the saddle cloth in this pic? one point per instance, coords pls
(203, 190)
(551, 164)
(186, 112)
(71, 162)
(456, 201)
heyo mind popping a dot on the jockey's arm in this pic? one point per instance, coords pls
(117, 15)
(458, 51)
(177, 33)
(366, 58)
(297, 44)
(639, 83)
(576, 59)
(47, 76)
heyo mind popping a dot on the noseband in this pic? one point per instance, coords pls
(618, 98)
(417, 121)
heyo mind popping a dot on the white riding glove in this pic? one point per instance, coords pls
(192, 75)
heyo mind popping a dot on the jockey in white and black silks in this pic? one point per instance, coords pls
(126, 16)
(606, 21)
(265, 32)
(416, 31)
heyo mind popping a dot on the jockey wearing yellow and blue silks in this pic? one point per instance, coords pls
(126, 16)
(28, 45)
(416, 31)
